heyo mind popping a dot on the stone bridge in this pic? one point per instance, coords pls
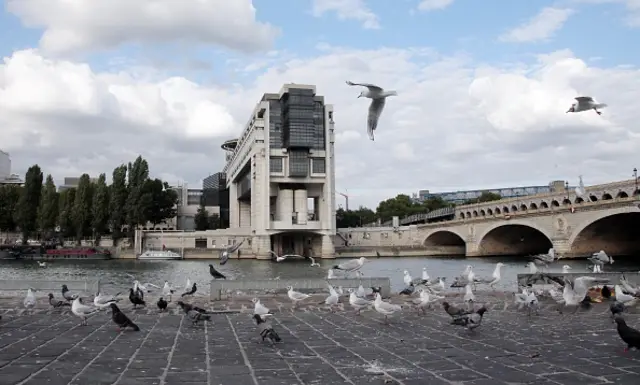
(606, 218)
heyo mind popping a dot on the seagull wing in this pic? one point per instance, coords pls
(234, 248)
(349, 265)
(371, 87)
(152, 285)
(584, 99)
(375, 110)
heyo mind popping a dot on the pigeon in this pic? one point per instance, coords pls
(66, 294)
(409, 290)
(162, 304)
(193, 289)
(55, 303)
(454, 311)
(266, 330)
(471, 321)
(296, 296)
(121, 319)
(260, 309)
(628, 334)
(215, 273)
(586, 103)
(616, 308)
(188, 307)
(358, 303)
(351, 266)
(195, 317)
(82, 310)
(385, 308)
(167, 290)
(378, 98)
(136, 299)
(30, 299)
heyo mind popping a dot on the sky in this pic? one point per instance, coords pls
(483, 86)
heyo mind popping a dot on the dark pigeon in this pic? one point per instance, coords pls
(215, 273)
(188, 307)
(605, 292)
(136, 299)
(408, 290)
(66, 294)
(195, 317)
(162, 304)
(55, 303)
(616, 308)
(471, 321)
(194, 288)
(454, 311)
(121, 319)
(266, 330)
(628, 334)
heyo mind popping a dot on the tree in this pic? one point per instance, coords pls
(117, 202)
(81, 213)
(27, 213)
(9, 197)
(159, 201)
(433, 203)
(213, 222)
(48, 211)
(138, 173)
(100, 212)
(65, 213)
(401, 206)
(354, 218)
(486, 196)
(201, 219)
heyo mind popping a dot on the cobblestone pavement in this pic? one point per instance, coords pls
(319, 347)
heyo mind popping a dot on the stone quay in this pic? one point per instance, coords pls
(48, 346)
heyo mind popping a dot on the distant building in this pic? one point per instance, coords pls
(72, 182)
(459, 197)
(6, 177)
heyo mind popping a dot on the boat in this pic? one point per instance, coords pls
(64, 253)
(159, 255)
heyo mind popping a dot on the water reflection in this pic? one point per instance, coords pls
(113, 273)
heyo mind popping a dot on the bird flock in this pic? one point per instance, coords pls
(378, 97)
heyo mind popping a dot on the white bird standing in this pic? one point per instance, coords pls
(167, 290)
(187, 286)
(332, 299)
(330, 274)
(565, 269)
(624, 298)
(496, 276)
(30, 299)
(296, 296)
(407, 278)
(81, 310)
(385, 308)
(586, 103)
(425, 275)
(103, 301)
(469, 297)
(360, 292)
(378, 98)
(425, 300)
(356, 302)
(260, 309)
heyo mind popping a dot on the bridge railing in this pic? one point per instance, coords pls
(18, 285)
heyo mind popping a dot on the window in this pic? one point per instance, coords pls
(318, 166)
(201, 243)
(275, 165)
(298, 164)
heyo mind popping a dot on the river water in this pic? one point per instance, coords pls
(113, 274)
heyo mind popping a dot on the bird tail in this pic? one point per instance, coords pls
(183, 294)
(274, 336)
(336, 267)
(393, 93)
(205, 317)
(135, 327)
(321, 303)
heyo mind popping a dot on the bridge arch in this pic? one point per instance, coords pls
(622, 194)
(544, 205)
(444, 238)
(606, 197)
(514, 238)
(614, 231)
(497, 210)
(566, 202)
(489, 212)
(533, 206)
(593, 198)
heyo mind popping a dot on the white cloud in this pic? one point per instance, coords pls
(453, 125)
(71, 26)
(540, 27)
(348, 10)
(430, 5)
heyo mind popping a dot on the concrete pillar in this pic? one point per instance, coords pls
(300, 206)
(327, 250)
(245, 214)
(285, 205)
(260, 246)
(234, 207)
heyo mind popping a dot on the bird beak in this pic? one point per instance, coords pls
(359, 96)
(570, 110)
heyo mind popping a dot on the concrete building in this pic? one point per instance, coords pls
(280, 175)
(72, 182)
(6, 177)
(459, 197)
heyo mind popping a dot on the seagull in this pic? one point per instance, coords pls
(624, 298)
(42, 264)
(360, 292)
(495, 277)
(351, 266)
(385, 308)
(586, 103)
(565, 269)
(228, 250)
(469, 297)
(627, 286)
(296, 296)
(167, 290)
(600, 258)
(260, 309)
(55, 303)
(332, 299)
(187, 286)
(30, 299)
(277, 257)
(313, 262)
(82, 310)
(265, 329)
(331, 274)
(104, 301)
(121, 319)
(527, 298)
(533, 269)
(215, 273)
(137, 285)
(378, 98)
(425, 300)
(358, 303)
(407, 278)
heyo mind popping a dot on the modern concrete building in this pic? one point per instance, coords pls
(72, 182)
(280, 174)
(6, 177)
(507, 192)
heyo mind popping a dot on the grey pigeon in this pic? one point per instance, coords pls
(266, 330)
(56, 303)
(195, 317)
(471, 321)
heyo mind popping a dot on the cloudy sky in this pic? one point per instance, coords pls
(483, 86)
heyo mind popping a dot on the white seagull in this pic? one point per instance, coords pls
(425, 300)
(103, 301)
(351, 266)
(296, 296)
(260, 309)
(378, 98)
(167, 290)
(30, 299)
(407, 278)
(331, 274)
(586, 103)
(565, 269)
(385, 308)
(332, 299)
(356, 302)
(624, 298)
(469, 297)
(81, 310)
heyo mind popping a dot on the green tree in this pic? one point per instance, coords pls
(354, 218)
(81, 213)
(9, 197)
(27, 213)
(48, 211)
(433, 203)
(138, 173)
(100, 213)
(201, 219)
(213, 222)
(401, 206)
(159, 201)
(486, 196)
(117, 201)
(65, 213)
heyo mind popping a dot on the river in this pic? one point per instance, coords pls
(113, 273)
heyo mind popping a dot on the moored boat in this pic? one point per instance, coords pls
(63, 253)
(159, 255)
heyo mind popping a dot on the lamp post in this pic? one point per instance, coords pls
(635, 176)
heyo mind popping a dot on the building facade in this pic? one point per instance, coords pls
(460, 197)
(280, 175)
(6, 177)
(72, 182)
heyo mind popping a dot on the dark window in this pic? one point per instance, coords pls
(275, 124)
(201, 243)
(298, 163)
(275, 165)
(318, 166)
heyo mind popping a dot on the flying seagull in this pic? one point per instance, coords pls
(378, 98)
(586, 103)
(228, 250)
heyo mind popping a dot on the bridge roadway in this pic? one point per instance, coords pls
(607, 218)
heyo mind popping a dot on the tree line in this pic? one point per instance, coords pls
(401, 206)
(91, 209)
